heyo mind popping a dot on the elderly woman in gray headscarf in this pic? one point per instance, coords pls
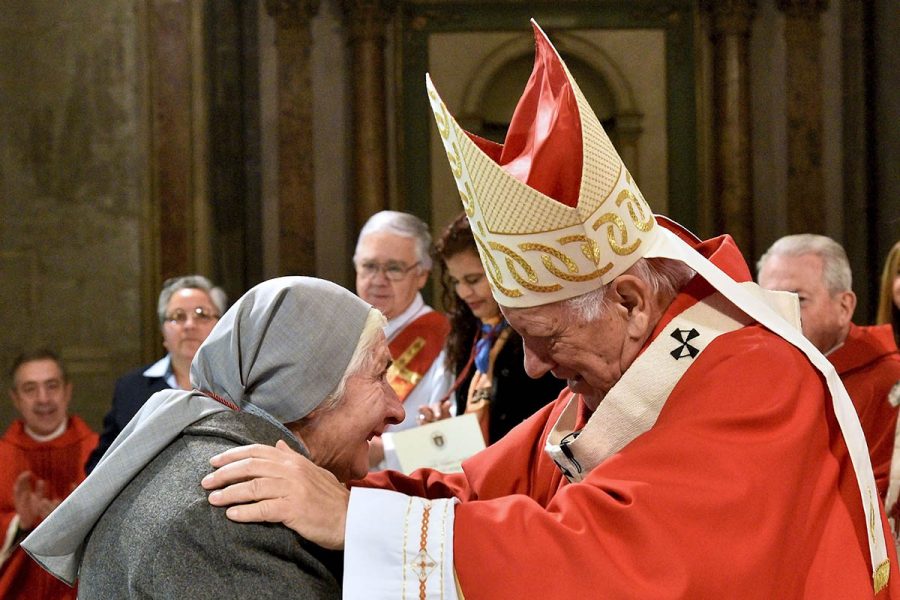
(296, 359)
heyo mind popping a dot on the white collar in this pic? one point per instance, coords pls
(416, 308)
(50, 436)
(160, 368)
(163, 369)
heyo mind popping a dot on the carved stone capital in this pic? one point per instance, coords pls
(291, 14)
(730, 17)
(803, 9)
(366, 19)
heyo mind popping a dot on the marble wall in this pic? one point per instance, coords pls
(72, 184)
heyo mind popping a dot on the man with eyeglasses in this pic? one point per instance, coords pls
(392, 262)
(188, 308)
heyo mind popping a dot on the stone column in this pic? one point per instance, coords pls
(296, 192)
(171, 124)
(366, 22)
(732, 200)
(805, 200)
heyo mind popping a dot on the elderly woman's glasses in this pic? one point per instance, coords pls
(394, 271)
(200, 315)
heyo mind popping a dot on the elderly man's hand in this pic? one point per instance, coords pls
(278, 485)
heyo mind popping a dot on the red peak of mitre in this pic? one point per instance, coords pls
(543, 147)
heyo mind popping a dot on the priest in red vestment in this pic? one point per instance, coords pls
(392, 261)
(42, 456)
(703, 447)
(816, 268)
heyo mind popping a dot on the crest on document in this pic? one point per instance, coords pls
(437, 438)
(684, 350)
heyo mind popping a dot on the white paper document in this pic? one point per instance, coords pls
(441, 445)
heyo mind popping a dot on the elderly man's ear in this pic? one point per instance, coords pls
(634, 301)
(847, 304)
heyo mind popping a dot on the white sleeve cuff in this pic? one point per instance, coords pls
(398, 546)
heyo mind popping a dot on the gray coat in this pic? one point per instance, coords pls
(160, 538)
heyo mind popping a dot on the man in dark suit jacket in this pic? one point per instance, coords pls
(188, 308)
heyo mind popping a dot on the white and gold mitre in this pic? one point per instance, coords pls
(537, 249)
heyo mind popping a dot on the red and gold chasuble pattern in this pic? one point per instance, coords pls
(414, 350)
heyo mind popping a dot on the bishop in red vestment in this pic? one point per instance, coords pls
(703, 447)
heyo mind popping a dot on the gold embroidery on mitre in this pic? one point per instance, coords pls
(468, 200)
(572, 275)
(589, 248)
(644, 222)
(443, 118)
(455, 161)
(616, 222)
(512, 259)
(495, 275)
(513, 256)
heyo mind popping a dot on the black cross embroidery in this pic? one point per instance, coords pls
(685, 349)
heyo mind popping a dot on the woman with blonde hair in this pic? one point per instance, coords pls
(889, 294)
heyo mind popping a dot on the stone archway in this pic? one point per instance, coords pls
(488, 102)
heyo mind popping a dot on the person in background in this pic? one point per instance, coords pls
(703, 448)
(889, 293)
(392, 262)
(815, 267)
(297, 361)
(187, 308)
(42, 456)
(482, 351)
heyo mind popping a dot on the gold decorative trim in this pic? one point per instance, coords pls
(645, 222)
(398, 368)
(881, 576)
(619, 247)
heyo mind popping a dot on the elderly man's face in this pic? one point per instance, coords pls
(825, 317)
(590, 356)
(41, 395)
(190, 316)
(338, 438)
(391, 293)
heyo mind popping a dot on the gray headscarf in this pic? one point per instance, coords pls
(280, 351)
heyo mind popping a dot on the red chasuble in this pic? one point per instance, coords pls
(869, 365)
(59, 462)
(414, 349)
(742, 489)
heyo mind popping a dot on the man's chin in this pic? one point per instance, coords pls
(591, 397)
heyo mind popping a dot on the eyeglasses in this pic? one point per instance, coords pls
(180, 317)
(393, 270)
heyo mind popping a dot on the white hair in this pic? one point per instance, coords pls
(193, 282)
(362, 359)
(665, 277)
(836, 273)
(404, 225)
